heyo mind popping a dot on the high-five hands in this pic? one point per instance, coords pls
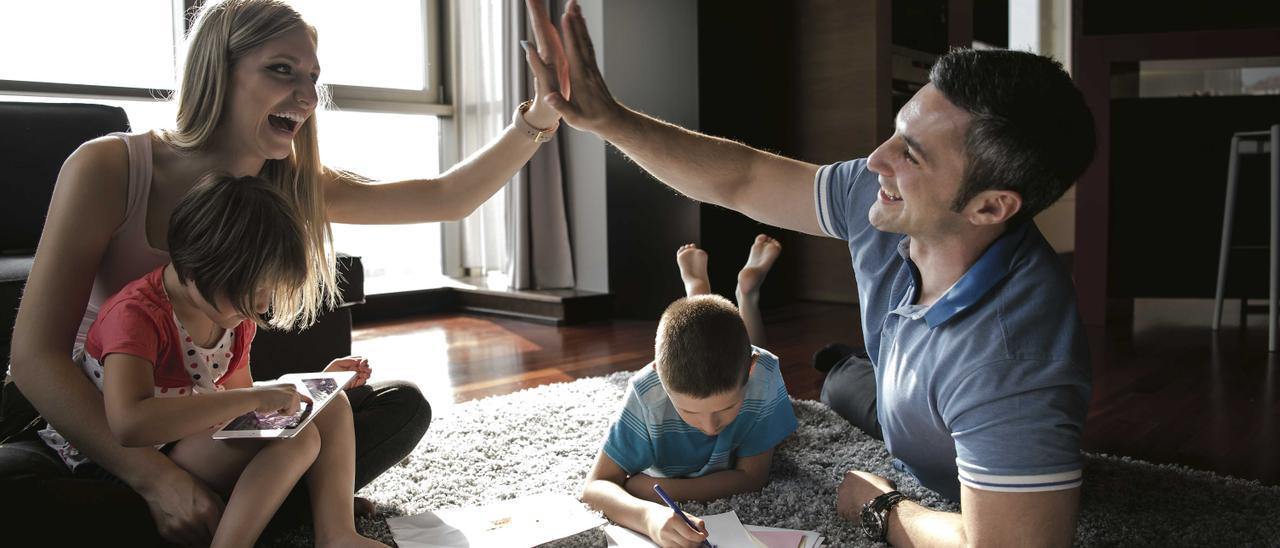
(590, 107)
(547, 61)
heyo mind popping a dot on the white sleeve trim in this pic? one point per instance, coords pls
(1040, 482)
(822, 199)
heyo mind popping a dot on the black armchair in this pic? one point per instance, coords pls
(35, 488)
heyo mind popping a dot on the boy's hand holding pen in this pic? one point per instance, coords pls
(679, 529)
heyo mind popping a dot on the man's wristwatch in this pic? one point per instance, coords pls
(537, 134)
(875, 515)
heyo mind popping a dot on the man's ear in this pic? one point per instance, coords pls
(991, 207)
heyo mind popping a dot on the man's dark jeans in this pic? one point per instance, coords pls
(850, 391)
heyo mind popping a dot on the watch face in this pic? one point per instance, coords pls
(871, 525)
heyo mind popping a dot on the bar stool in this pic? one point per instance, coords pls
(1263, 139)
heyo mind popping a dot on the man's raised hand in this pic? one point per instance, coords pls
(591, 107)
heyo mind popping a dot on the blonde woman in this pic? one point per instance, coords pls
(245, 107)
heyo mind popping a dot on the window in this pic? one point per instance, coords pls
(132, 43)
(380, 60)
(396, 257)
(376, 44)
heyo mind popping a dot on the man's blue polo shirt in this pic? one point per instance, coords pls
(989, 386)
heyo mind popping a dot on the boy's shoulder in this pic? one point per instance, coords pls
(647, 387)
(766, 377)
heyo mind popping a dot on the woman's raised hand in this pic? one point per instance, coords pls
(547, 60)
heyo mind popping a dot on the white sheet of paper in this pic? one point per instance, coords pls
(723, 531)
(726, 531)
(522, 522)
(621, 537)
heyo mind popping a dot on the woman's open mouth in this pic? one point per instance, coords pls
(286, 122)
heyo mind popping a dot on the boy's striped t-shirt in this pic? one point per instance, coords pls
(649, 436)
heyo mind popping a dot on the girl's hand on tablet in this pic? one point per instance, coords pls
(283, 399)
(351, 363)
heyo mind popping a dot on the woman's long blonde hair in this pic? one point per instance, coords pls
(223, 32)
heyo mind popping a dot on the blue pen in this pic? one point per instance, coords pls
(674, 506)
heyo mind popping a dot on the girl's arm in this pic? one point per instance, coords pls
(138, 418)
(459, 191)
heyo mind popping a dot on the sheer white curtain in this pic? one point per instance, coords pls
(481, 114)
(540, 255)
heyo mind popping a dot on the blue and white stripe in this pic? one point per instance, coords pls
(822, 200)
(1039, 482)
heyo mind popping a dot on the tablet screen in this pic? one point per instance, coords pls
(321, 387)
(268, 421)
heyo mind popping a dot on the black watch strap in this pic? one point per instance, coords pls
(875, 515)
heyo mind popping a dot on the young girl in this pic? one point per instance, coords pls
(170, 353)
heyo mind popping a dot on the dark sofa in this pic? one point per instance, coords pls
(35, 139)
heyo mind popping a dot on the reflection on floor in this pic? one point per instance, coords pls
(1167, 391)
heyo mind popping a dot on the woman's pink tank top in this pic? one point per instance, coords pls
(129, 255)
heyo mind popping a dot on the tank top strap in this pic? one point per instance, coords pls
(140, 160)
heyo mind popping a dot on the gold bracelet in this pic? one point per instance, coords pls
(538, 135)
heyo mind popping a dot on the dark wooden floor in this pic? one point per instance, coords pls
(1163, 393)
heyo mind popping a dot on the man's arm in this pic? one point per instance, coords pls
(989, 518)
(751, 474)
(766, 187)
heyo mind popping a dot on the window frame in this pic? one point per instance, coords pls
(434, 99)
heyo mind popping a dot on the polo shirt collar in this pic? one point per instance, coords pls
(994, 265)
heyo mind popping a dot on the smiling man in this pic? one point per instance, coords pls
(977, 374)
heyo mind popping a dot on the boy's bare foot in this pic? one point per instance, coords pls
(693, 270)
(764, 252)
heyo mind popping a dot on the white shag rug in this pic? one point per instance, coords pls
(545, 439)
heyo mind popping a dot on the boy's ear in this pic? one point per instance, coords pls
(755, 357)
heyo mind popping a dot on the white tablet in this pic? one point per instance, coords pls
(321, 387)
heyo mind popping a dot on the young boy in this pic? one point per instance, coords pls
(703, 419)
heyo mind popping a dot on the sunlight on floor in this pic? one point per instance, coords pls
(445, 357)
(421, 357)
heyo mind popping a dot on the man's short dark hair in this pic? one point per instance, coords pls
(233, 235)
(1031, 131)
(702, 347)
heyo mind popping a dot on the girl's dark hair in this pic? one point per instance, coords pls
(232, 236)
(1031, 131)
